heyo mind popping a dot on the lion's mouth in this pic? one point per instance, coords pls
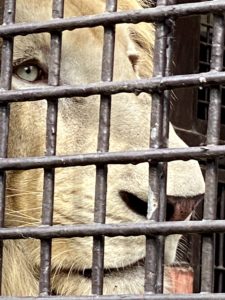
(87, 273)
(179, 276)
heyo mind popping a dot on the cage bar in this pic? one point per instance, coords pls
(213, 135)
(6, 78)
(157, 183)
(168, 29)
(133, 157)
(103, 146)
(129, 86)
(207, 296)
(112, 230)
(220, 266)
(51, 134)
(146, 15)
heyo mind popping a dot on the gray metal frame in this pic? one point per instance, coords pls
(162, 81)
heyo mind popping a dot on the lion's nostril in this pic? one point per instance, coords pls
(134, 203)
(179, 208)
(169, 211)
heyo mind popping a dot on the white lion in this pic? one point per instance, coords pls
(77, 133)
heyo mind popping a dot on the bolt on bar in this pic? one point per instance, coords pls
(51, 134)
(6, 79)
(213, 135)
(154, 246)
(103, 146)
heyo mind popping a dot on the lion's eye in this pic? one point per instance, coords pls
(29, 72)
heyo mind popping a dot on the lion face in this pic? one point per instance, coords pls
(77, 133)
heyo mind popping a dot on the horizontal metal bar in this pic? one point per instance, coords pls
(205, 296)
(111, 230)
(107, 88)
(106, 19)
(126, 157)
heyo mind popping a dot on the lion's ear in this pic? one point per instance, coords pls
(140, 39)
(140, 48)
(133, 55)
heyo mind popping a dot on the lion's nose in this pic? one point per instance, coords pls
(178, 208)
(134, 203)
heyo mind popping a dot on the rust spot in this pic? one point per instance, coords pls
(181, 279)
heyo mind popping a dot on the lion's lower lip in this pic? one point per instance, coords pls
(87, 273)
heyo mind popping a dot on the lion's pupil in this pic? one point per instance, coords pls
(28, 69)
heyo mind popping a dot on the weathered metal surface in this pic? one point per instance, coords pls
(103, 146)
(51, 135)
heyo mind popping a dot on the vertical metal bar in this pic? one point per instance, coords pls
(6, 79)
(51, 134)
(213, 135)
(169, 31)
(157, 173)
(169, 28)
(221, 245)
(103, 146)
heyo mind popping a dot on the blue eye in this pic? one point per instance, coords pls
(29, 72)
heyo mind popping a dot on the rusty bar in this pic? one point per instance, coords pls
(51, 133)
(169, 35)
(103, 146)
(112, 230)
(221, 244)
(207, 296)
(6, 79)
(154, 247)
(133, 157)
(211, 175)
(170, 26)
(147, 15)
(130, 86)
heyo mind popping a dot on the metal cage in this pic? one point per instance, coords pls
(164, 16)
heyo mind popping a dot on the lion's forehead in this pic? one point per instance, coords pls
(42, 10)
